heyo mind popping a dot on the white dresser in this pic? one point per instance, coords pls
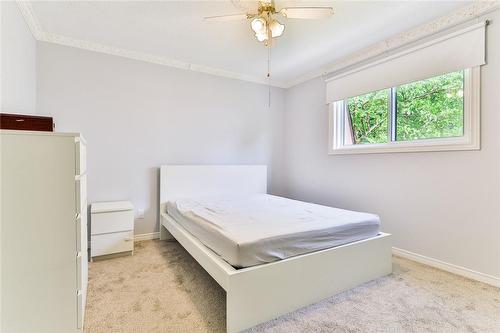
(112, 228)
(44, 232)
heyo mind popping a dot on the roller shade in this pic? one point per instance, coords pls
(457, 50)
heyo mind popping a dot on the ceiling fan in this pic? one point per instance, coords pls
(265, 24)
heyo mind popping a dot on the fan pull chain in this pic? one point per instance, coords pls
(269, 74)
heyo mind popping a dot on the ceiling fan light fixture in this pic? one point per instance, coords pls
(264, 24)
(259, 25)
(261, 36)
(276, 28)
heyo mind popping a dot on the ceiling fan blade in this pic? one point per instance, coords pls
(233, 17)
(307, 12)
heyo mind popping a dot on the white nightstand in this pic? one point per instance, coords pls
(112, 228)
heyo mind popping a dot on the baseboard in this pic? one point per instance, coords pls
(459, 270)
(142, 237)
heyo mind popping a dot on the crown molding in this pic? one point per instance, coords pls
(457, 17)
(30, 18)
(43, 36)
(461, 15)
(151, 58)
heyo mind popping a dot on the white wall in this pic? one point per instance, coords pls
(137, 116)
(18, 53)
(444, 205)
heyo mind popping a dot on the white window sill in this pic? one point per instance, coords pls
(449, 144)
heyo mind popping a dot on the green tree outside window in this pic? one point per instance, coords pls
(426, 109)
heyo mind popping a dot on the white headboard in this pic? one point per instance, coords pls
(195, 180)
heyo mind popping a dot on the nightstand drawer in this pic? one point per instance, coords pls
(112, 222)
(112, 243)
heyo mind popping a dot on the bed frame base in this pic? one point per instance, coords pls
(261, 293)
(164, 234)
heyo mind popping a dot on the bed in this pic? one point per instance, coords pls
(254, 229)
(270, 254)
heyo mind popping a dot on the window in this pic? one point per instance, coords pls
(432, 108)
(367, 118)
(438, 113)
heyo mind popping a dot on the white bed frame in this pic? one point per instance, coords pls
(257, 294)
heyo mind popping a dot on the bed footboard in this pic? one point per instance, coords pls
(262, 293)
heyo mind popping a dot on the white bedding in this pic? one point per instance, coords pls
(261, 228)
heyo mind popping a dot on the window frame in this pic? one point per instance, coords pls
(470, 140)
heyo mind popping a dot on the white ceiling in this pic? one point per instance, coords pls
(176, 30)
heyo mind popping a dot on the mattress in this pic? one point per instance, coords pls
(249, 230)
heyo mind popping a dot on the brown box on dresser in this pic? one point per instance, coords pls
(26, 122)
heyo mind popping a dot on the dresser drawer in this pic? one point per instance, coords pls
(79, 271)
(81, 157)
(80, 309)
(112, 222)
(79, 233)
(112, 243)
(81, 193)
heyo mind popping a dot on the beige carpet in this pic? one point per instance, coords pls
(162, 289)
